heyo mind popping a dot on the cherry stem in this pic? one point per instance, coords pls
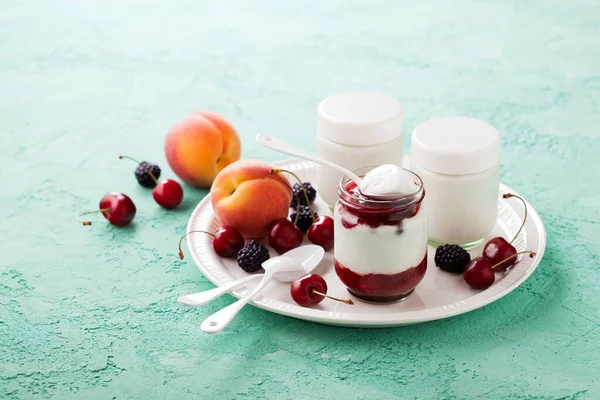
(287, 184)
(531, 255)
(86, 222)
(184, 236)
(297, 209)
(349, 301)
(312, 215)
(143, 166)
(509, 195)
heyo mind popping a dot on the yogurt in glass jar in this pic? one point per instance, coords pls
(380, 245)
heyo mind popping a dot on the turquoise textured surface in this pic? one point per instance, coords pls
(91, 312)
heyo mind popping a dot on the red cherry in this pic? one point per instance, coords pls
(479, 273)
(284, 236)
(308, 290)
(498, 251)
(321, 232)
(311, 289)
(168, 193)
(227, 241)
(117, 208)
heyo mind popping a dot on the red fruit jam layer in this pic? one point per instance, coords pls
(382, 288)
(375, 217)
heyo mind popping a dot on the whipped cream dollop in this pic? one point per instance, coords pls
(388, 180)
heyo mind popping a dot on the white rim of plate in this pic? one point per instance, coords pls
(209, 263)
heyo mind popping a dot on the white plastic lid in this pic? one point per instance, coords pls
(455, 146)
(359, 118)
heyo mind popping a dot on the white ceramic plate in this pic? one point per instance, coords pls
(439, 295)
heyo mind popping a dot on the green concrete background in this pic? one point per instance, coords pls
(91, 312)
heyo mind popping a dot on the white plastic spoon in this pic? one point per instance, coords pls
(201, 298)
(205, 297)
(287, 267)
(275, 144)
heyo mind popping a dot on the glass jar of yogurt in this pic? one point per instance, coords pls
(459, 161)
(380, 245)
(353, 130)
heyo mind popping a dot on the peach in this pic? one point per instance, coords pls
(200, 146)
(246, 195)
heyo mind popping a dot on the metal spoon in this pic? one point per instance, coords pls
(286, 268)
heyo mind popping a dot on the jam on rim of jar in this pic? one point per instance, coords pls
(381, 245)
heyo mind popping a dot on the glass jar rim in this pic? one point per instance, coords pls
(360, 200)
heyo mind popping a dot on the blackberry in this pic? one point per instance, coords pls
(298, 194)
(305, 219)
(452, 258)
(142, 175)
(251, 256)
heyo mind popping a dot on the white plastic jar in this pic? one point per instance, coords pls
(458, 160)
(355, 130)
